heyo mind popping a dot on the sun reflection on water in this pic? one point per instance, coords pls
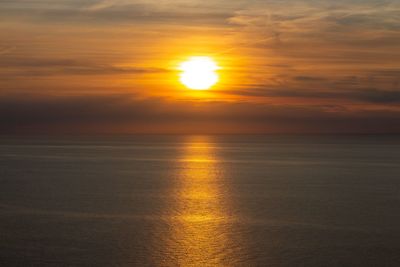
(199, 236)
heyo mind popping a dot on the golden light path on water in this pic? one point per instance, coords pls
(200, 236)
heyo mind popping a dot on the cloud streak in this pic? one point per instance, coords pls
(49, 66)
(368, 95)
(109, 12)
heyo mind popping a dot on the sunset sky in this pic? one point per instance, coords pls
(286, 66)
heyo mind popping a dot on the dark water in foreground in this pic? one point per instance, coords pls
(200, 201)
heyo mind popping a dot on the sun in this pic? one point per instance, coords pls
(199, 73)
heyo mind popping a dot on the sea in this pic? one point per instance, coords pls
(186, 200)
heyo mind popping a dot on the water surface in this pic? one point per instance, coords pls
(200, 201)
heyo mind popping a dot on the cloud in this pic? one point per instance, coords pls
(377, 96)
(105, 113)
(309, 78)
(25, 66)
(6, 49)
(378, 86)
(365, 95)
(113, 11)
(348, 24)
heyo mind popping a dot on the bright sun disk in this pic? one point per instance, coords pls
(199, 73)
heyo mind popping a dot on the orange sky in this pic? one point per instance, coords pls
(111, 66)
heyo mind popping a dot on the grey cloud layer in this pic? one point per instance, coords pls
(49, 112)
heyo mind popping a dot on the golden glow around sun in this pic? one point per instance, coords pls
(199, 73)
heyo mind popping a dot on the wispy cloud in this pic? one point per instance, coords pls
(113, 11)
(23, 66)
(6, 49)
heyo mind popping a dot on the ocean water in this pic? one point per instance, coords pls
(200, 201)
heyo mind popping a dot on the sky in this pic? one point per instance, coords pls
(287, 66)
